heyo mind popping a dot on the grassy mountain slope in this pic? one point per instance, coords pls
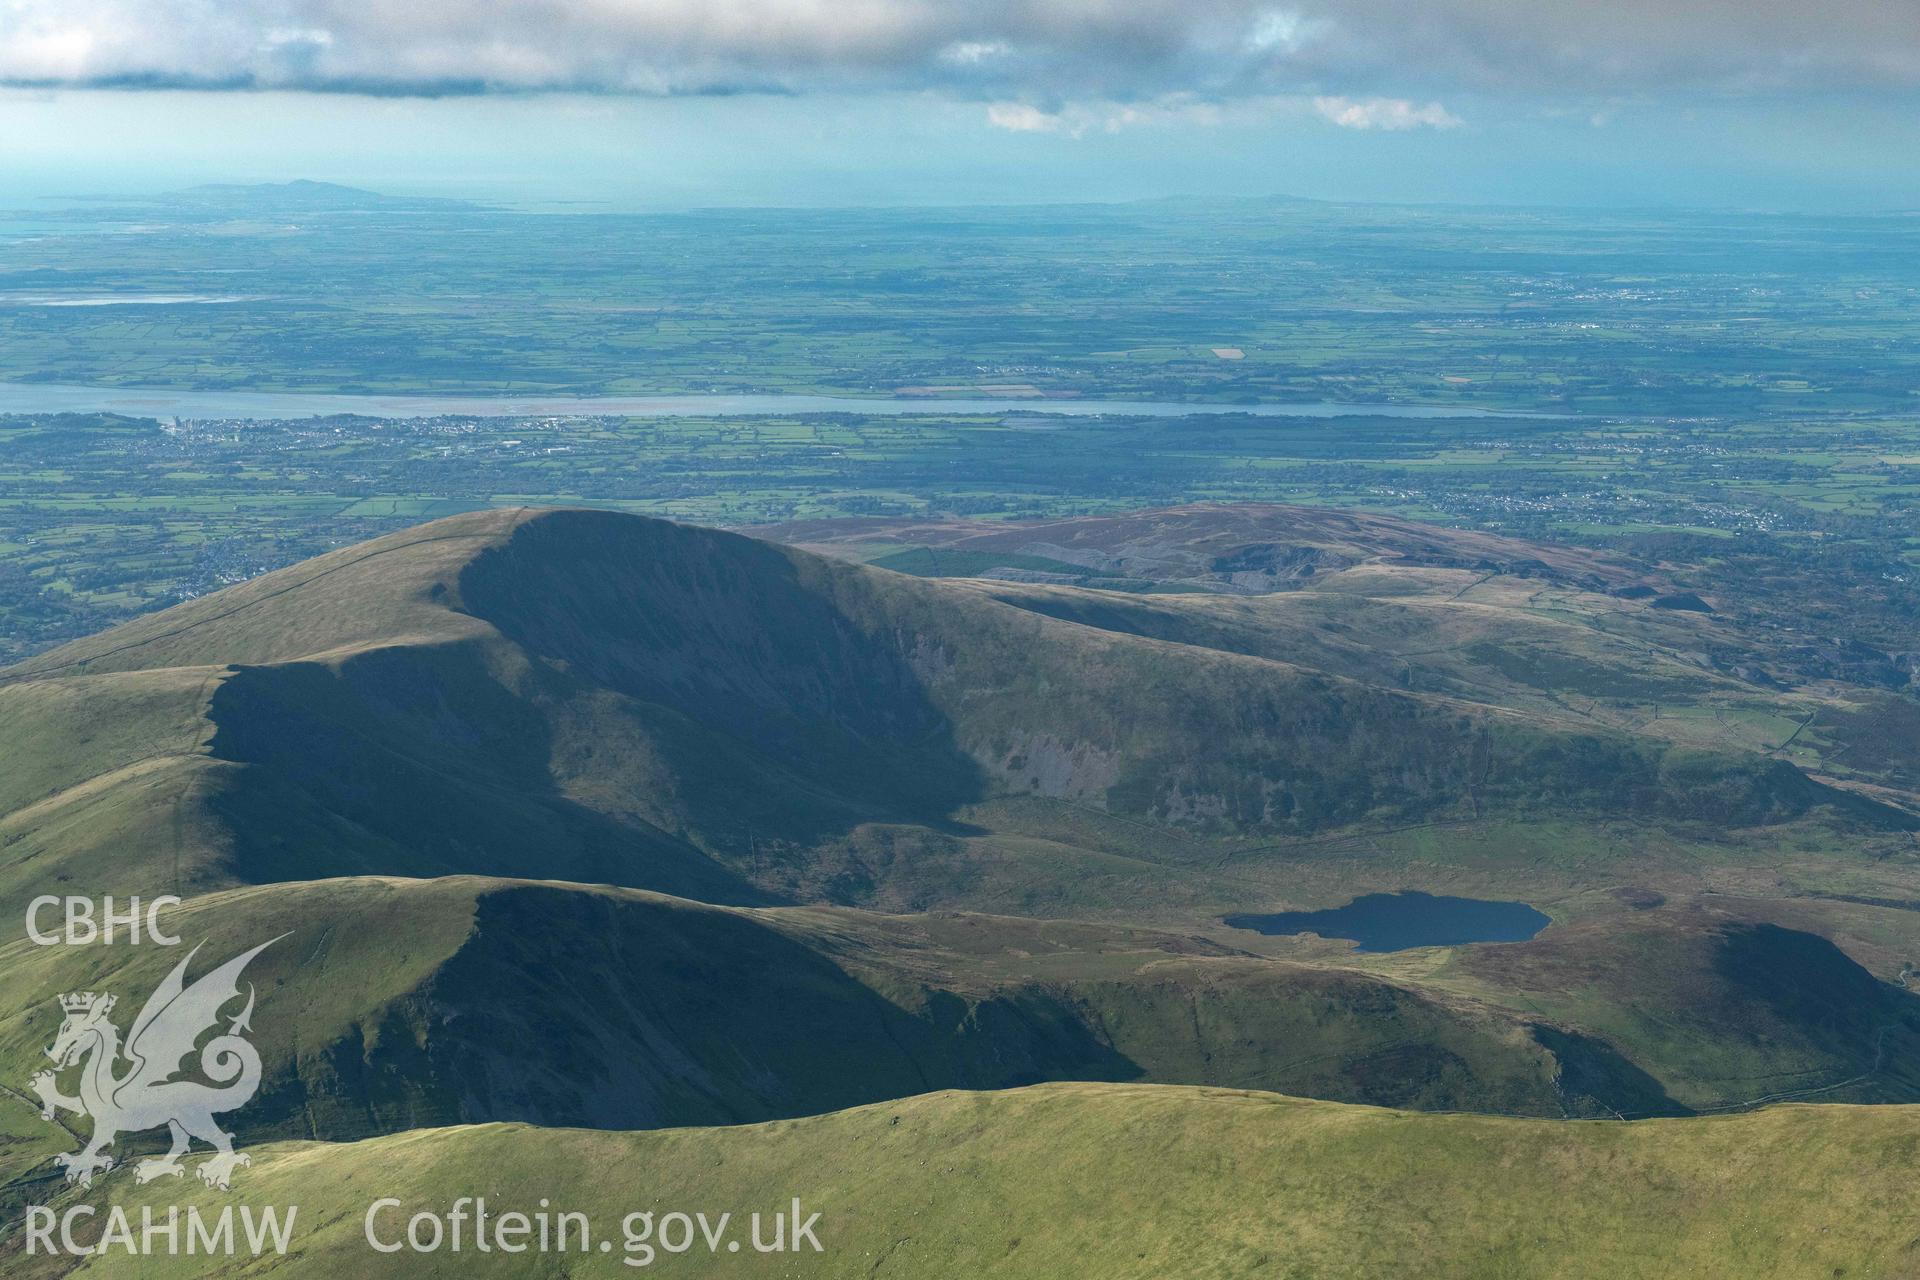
(597, 697)
(392, 1004)
(588, 697)
(1607, 639)
(1732, 1011)
(1138, 1181)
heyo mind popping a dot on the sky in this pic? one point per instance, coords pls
(679, 103)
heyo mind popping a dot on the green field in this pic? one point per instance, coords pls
(1669, 313)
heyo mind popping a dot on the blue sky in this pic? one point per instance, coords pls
(676, 103)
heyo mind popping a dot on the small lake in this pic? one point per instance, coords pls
(161, 402)
(1396, 921)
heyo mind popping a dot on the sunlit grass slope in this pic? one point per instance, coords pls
(1064, 1182)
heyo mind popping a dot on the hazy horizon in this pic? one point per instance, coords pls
(663, 105)
(29, 193)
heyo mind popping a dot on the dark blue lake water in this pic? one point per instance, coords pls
(1396, 921)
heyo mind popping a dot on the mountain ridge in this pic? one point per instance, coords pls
(1026, 1184)
(705, 714)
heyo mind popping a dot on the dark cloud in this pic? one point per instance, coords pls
(1117, 50)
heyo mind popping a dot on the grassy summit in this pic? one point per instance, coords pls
(1138, 1181)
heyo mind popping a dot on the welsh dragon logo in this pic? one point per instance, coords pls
(148, 1091)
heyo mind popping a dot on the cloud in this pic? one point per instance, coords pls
(1384, 113)
(993, 50)
(1076, 119)
(1019, 117)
